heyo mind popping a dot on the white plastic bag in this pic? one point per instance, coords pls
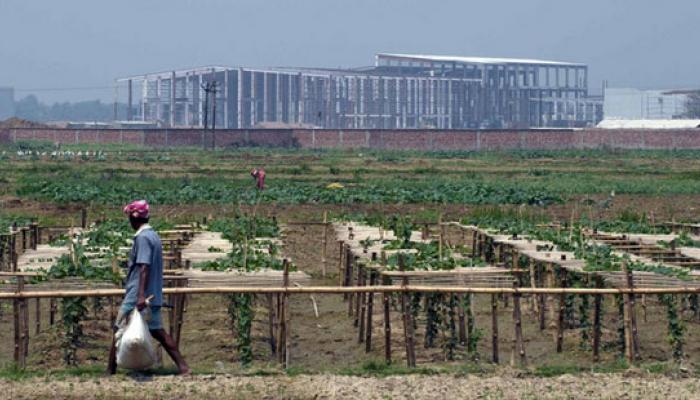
(135, 348)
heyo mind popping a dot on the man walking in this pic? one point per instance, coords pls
(145, 280)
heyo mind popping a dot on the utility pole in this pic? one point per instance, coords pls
(210, 88)
(207, 88)
(213, 89)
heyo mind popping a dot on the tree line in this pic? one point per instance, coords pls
(30, 108)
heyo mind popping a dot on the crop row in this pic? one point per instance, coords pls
(217, 191)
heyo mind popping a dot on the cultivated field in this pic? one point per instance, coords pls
(593, 223)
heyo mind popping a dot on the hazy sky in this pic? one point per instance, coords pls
(87, 43)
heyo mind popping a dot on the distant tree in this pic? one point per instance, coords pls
(32, 109)
(692, 105)
(29, 108)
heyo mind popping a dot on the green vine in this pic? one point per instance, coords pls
(447, 310)
(675, 325)
(474, 334)
(241, 312)
(73, 311)
(432, 318)
(402, 226)
(584, 321)
(694, 304)
(620, 304)
(414, 308)
(247, 255)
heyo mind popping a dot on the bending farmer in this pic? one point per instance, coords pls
(258, 175)
(144, 280)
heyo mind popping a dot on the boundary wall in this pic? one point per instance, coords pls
(390, 139)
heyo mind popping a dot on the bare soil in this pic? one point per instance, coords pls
(330, 341)
(503, 386)
(324, 348)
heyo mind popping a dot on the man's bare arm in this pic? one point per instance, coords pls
(143, 279)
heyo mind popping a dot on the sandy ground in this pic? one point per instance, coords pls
(593, 386)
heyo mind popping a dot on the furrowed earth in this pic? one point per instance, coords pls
(629, 188)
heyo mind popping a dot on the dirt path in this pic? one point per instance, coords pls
(607, 386)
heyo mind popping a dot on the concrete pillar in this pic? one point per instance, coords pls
(449, 104)
(226, 99)
(240, 100)
(278, 97)
(265, 96)
(301, 98)
(200, 103)
(144, 97)
(290, 113)
(189, 94)
(172, 99)
(130, 101)
(253, 99)
(158, 100)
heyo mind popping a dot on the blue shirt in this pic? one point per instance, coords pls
(147, 249)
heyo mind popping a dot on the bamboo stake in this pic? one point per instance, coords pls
(271, 322)
(387, 326)
(171, 320)
(281, 334)
(35, 235)
(533, 283)
(471, 324)
(37, 316)
(348, 278)
(279, 326)
(518, 343)
(180, 312)
(17, 320)
(245, 252)
(52, 311)
(370, 311)
(13, 252)
(83, 218)
(479, 244)
(550, 298)
(24, 312)
(407, 320)
(597, 310)
(441, 237)
(341, 263)
(562, 309)
(362, 306)
(325, 244)
(112, 312)
(359, 297)
(287, 318)
(541, 298)
(462, 328)
(494, 328)
(631, 335)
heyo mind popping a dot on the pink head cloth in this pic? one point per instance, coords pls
(137, 209)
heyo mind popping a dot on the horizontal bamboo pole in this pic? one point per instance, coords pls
(310, 223)
(20, 273)
(351, 289)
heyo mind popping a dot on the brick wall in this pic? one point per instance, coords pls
(5, 136)
(431, 140)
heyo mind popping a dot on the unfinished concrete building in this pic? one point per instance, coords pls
(400, 91)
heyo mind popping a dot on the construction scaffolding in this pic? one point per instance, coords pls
(398, 92)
